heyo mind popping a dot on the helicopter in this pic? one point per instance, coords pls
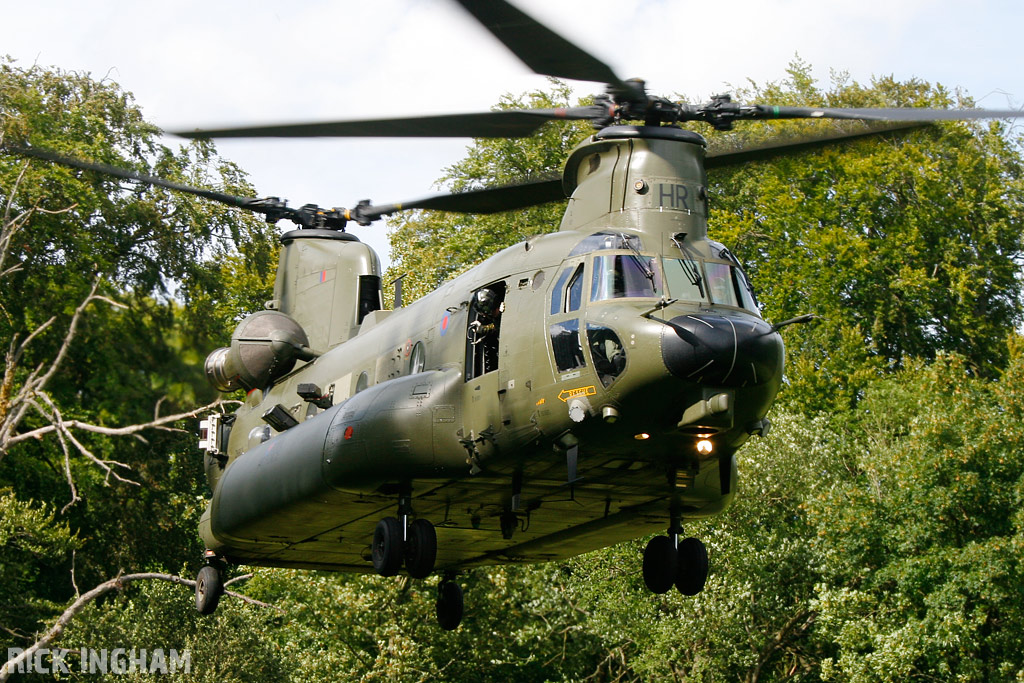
(581, 388)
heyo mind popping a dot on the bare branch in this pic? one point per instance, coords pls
(116, 583)
(241, 577)
(69, 336)
(74, 491)
(116, 431)
(57, 421)
(78, 593)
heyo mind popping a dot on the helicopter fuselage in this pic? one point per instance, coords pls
(574, 390)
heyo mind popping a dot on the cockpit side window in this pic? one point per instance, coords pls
(556, 292)
(720, 284)
(574, 293)
(746, 291)
(728, 286)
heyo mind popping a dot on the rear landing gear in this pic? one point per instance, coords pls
(666, 563)
(209, 588)
(449, 604)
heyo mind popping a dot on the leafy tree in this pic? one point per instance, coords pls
(108, 302)
(905, 247)
(923, 573)
(33, 547)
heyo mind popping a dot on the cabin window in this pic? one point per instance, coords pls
(362, 382)
(565, 342)
(624, 275)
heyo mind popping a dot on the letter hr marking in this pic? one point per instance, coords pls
(677, 196)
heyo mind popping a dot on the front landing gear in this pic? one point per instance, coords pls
(667, 562)
(209, 587)
(692, 570)
(449, 604)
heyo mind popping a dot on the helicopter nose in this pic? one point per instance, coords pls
(722, 351)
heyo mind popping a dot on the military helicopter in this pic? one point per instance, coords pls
(581, 388)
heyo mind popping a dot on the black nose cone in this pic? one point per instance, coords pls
(722, 351)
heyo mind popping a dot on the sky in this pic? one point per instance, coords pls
(226, 62)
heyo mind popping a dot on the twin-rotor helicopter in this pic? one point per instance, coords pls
(581, 388)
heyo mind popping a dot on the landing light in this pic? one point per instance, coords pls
(643, 436)
(704, 447)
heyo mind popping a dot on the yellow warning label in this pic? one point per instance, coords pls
(566, 394)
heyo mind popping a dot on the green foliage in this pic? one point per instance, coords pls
(905, 247)
(925, 541)
(33, 546)
(160, 262)
(231, 647)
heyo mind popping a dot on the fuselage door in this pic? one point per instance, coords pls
(482, 408)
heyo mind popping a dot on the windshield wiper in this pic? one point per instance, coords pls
(638, 257)
(692, 274)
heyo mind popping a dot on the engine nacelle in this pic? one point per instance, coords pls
(264, 347)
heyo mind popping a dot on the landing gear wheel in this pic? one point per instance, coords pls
(387, 547)
(693, 566)
(420, 549)
(660, 564)
(209, 588)
(449, 605)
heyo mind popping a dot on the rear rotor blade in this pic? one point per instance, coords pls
(483, 201)
(540, 48)
(64, 160)
(512, 123)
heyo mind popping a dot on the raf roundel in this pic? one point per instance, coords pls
(444, 323)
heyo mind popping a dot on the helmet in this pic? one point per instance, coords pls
(486, 301)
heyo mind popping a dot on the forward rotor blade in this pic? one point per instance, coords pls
(512, 123)
(537, 46)
(771, 150)
(484, 201)
(881, 114)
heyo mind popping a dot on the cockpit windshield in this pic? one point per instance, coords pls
(625, 275)
(721, 283)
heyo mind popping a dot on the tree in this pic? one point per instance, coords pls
(101, 334)
(904, 247)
